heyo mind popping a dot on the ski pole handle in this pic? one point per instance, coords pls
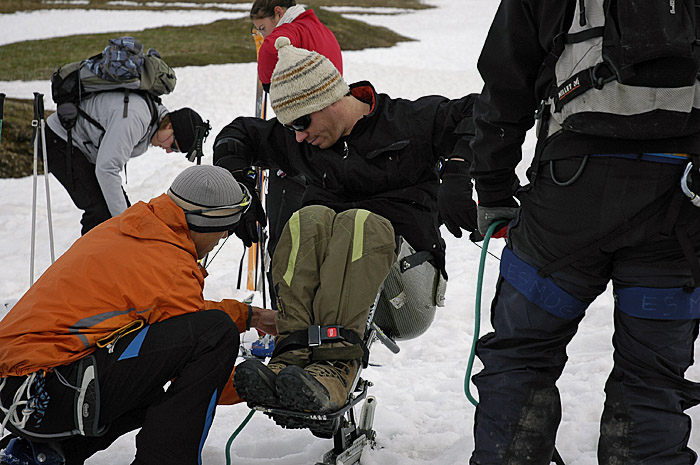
(38, 106)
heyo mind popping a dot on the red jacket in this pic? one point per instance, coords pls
(306, 31)
(140, 265)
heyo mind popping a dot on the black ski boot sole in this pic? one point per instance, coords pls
(255, 384)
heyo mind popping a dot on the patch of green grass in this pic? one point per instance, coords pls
(16, 148)
(224, 41)
(11, 6)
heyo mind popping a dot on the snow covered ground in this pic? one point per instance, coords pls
(423, 416)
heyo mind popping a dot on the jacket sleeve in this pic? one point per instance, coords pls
(453, 128)
(120, 137)
(248, 141)
(510, 65)
(239, 312)
(185, 295)
(464, 130)
(267, 59)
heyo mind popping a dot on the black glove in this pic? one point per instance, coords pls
(457, 209)
(247, 227)
(487, 214)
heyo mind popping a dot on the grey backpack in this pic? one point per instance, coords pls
(627, 69)
(122, 65)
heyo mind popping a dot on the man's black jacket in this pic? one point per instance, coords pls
(388, 164)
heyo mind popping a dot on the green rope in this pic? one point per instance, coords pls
(556, 457)
(477, 310)
(235, 433)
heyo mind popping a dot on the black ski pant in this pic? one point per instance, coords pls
(534, 318)
(284, 194)
(195, 353)
(77, 176)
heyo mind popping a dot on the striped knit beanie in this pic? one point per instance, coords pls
(303, 82)
(203, 187)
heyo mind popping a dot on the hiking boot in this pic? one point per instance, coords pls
(25, 452)
(321, 387)
(255, 382)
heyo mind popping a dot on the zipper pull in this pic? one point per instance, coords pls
(345, 149)
(110, 346)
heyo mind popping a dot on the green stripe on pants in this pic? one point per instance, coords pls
(359, 237)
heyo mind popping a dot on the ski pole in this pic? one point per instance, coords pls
(39, 126)
(42, 122)
(35, 125)
(2, 112)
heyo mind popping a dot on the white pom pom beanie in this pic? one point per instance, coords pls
(303, 82)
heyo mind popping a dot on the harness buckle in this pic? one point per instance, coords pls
(314, 335)
(331, 333)
(317, 335)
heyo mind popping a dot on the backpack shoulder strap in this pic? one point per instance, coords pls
(561, 39)
(90, 119)
(151, 101)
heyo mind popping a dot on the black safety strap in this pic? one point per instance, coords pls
(69, 145)
(90, 119)
(69, 160)
(583, 81)
(543, 114)
(315, 336)
(668, 200)
(414, 260)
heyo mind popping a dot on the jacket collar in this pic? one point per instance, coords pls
(364, 91)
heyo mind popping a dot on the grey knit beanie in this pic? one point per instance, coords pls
(303, 82)
(204, 187)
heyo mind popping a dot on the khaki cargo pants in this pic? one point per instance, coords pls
(327, 270)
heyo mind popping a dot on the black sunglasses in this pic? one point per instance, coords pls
(300, 124)
(174, 147)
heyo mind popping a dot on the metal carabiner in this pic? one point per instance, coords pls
(694, 198)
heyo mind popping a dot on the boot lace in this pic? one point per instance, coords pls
(332, 369)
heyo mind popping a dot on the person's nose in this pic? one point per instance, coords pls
(301, 135)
